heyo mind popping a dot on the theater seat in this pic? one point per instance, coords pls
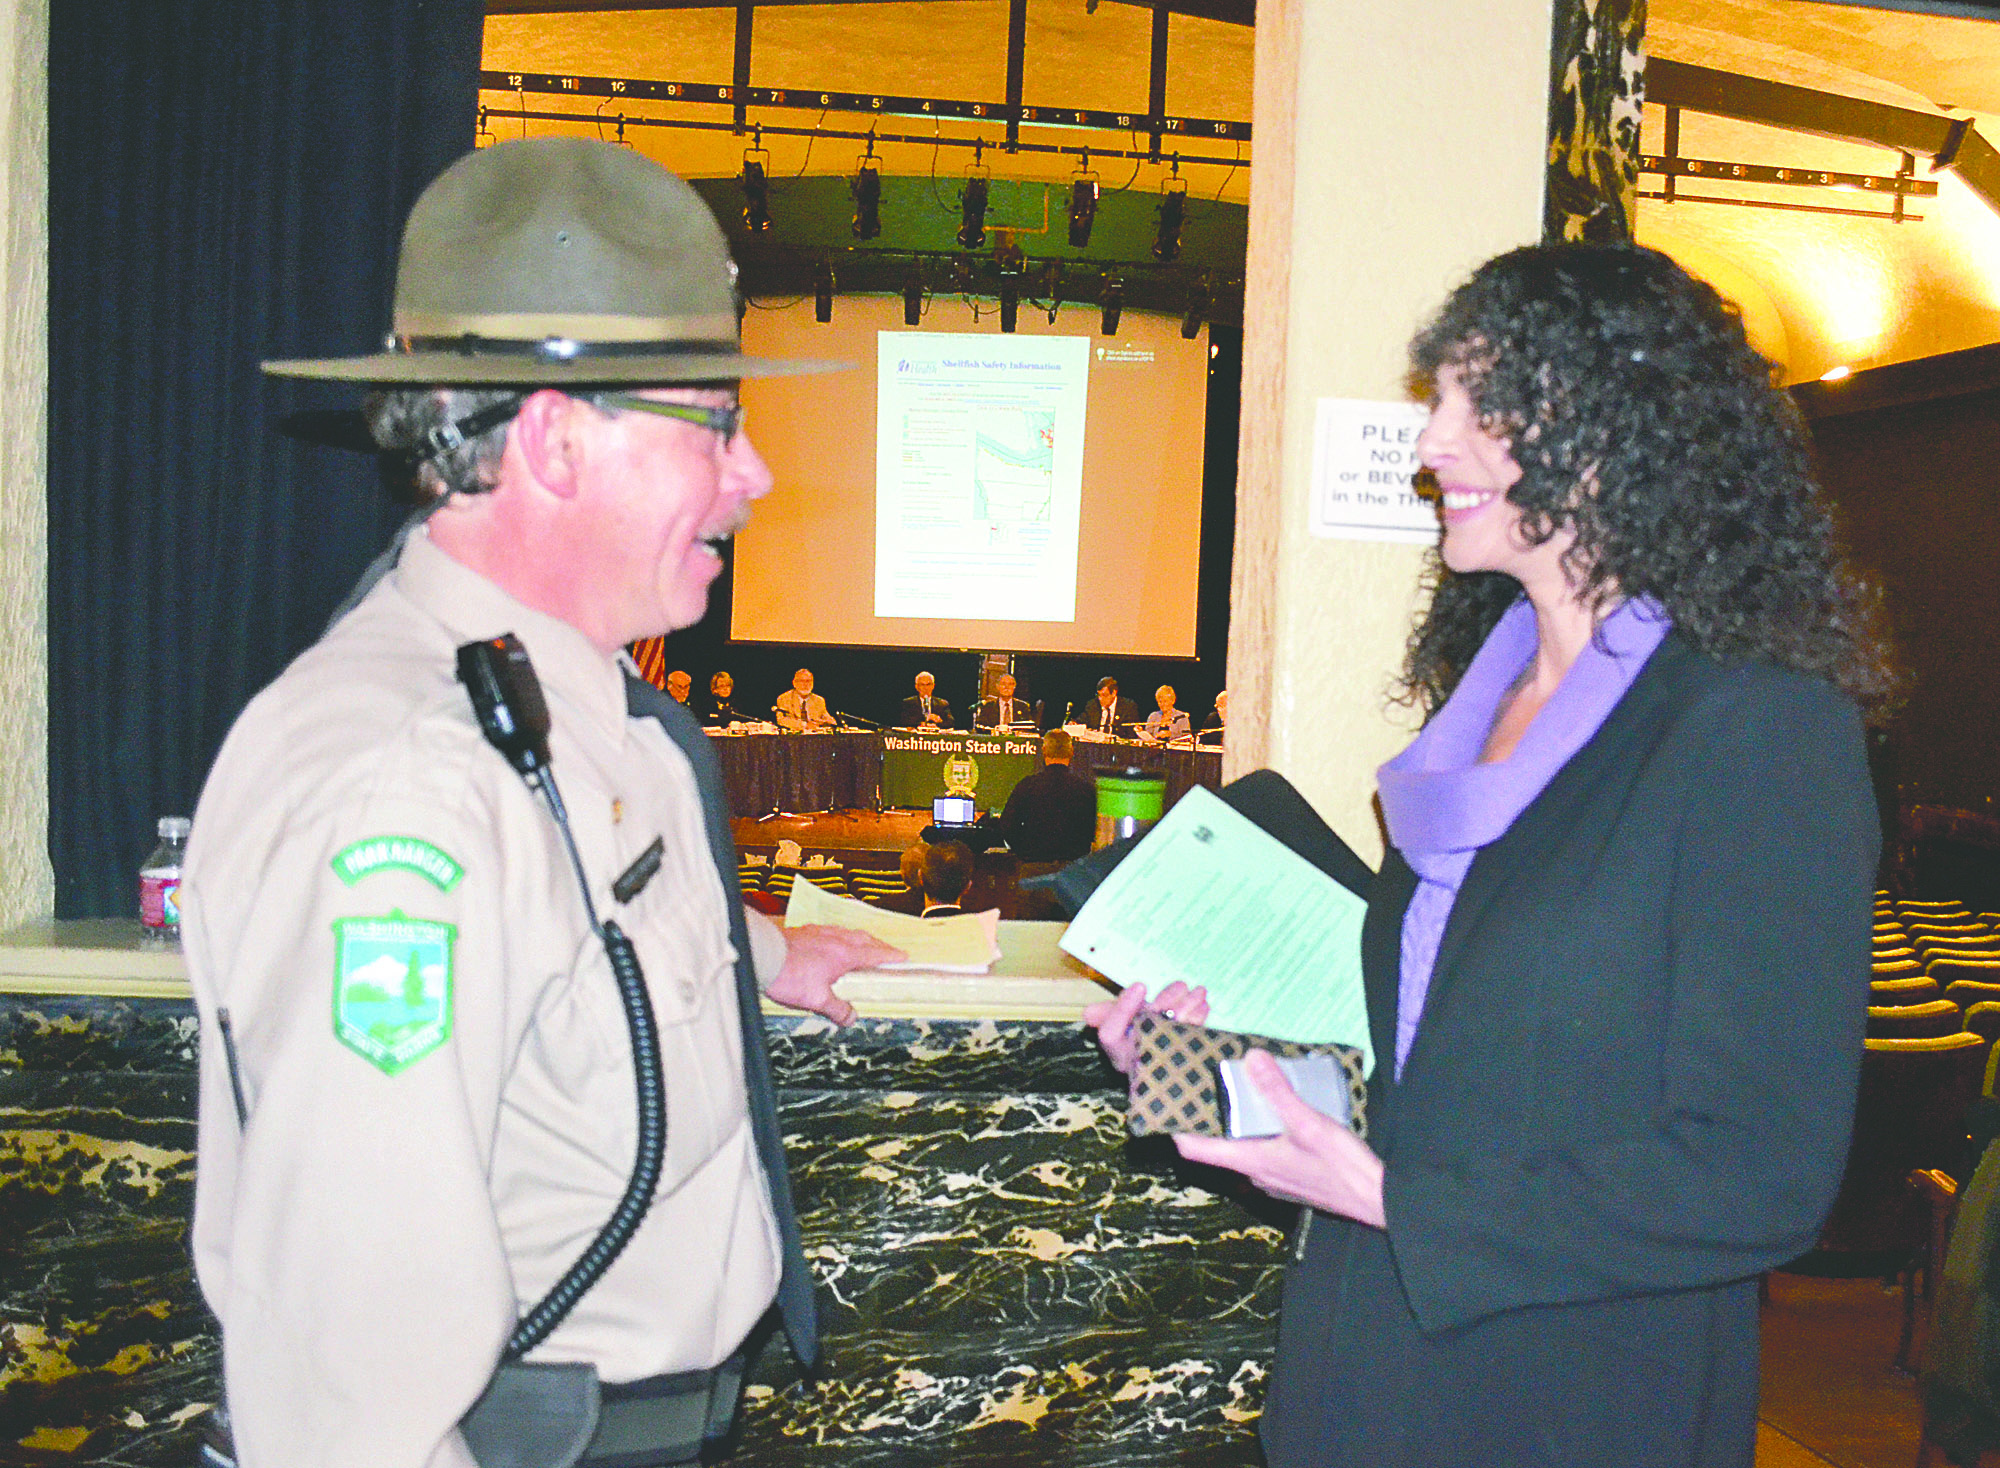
(876, 886)
(827, 879)
(1915, 1021)
(1910, 1115)
(1967, 992)
(1916, 989)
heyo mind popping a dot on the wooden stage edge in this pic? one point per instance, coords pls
(839, 830)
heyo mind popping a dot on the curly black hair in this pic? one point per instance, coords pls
(1641, 416)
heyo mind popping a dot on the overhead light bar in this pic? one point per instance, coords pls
(1197, 310)
(1110, 305)
(1082, 203)
(972, 202)
(756, 188)
(866, 186)
(823, 288)
(1173, 214)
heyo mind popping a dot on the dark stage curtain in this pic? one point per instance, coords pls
(227, 182)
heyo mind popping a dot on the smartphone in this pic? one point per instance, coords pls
(1320, 1080)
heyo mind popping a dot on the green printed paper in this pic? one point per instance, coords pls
(1209, 898)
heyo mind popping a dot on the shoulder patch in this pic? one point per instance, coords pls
(397, 853)
(392, 988)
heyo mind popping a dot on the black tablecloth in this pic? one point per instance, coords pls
(799, 772)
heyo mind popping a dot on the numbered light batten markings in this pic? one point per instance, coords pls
(725, 95)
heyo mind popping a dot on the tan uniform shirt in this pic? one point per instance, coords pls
(436, 1064)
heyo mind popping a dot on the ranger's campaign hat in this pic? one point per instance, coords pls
(558, 261)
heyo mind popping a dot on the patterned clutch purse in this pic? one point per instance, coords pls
(1174, 1082)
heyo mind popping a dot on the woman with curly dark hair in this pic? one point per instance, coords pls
(1617, 954)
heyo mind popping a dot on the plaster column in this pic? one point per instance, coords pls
(27, 884)
(1397, 147)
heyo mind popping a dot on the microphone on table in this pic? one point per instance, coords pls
(1067, 706)
(847, 718)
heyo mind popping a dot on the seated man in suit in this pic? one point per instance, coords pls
(1051, 816)
(1110, 714)
(1003, 710)
(680, 687)
(1167, 722)
(800, 709)
(924, 709)
(1212, 726)
(721, 708)
(947, 873)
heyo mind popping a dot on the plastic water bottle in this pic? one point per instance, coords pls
(160, 880)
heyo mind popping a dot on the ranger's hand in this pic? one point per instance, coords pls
(815, 956)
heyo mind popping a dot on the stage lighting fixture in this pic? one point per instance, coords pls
(1173, 214)
(756, 195)
(1110, 305)
(866, 186)
(1082, 208)
(823, 286)
(913, 297)
(972, 211)
(1197, 310)
(1010, 305)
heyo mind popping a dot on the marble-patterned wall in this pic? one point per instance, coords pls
(1005, 1277)
(1597, 89)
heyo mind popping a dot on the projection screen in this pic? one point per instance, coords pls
(1037, 491)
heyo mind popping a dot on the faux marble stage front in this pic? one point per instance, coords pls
(1005, 1277)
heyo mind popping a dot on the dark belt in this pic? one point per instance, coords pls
(664, 1419)
(656, 1422)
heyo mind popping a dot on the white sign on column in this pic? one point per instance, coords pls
(1364, 456)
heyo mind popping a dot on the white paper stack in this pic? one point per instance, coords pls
(965, 944)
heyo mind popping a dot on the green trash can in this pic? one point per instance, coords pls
(1128, 802)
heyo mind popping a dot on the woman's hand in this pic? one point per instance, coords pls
(1315, 1160)
(1113, 1018)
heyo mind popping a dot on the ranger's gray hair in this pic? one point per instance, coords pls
(403, 419)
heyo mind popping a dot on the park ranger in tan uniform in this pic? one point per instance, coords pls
(417, 1083)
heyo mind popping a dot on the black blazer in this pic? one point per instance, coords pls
(987, 714)
(913, 712)
(1630, 1093)
(1092, 716)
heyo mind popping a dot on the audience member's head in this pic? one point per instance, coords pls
(913, 866)
(679, 686)
(1057, 748)
(947, 871)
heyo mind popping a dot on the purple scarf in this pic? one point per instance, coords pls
(1442, 805)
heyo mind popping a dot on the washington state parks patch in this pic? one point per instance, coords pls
(397, 853)
(392, 988)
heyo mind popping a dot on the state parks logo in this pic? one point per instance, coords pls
(392, 988)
